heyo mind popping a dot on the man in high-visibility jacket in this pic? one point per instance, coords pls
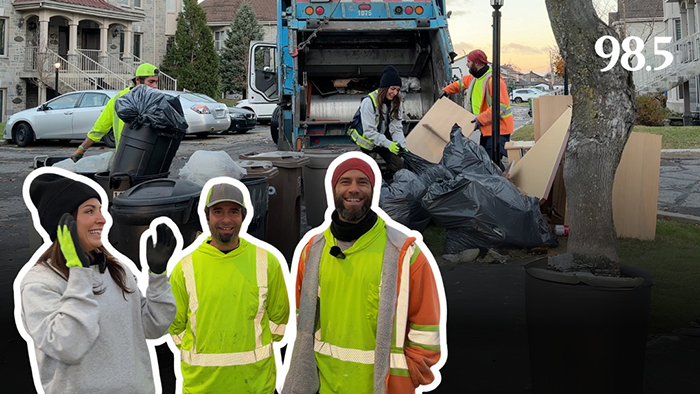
(478, 91)
(232, 303)
(367, 299)
(146, 74)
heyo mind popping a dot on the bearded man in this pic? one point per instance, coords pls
(232, 303)
(368, 304)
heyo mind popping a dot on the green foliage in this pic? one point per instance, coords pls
(192, 58)
(234, 56)
(650, 111)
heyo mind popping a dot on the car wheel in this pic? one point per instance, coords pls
(24, 135)
(108, 139)
(518, 100)
(275, 124)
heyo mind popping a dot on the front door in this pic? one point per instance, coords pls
(63, 41)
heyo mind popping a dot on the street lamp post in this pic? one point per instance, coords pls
(57, 66)
(496, 81)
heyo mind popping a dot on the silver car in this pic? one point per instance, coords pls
(203, 114)
(67, 117)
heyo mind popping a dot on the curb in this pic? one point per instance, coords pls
(680, 154)
(678, 217)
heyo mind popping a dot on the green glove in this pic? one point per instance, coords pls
(394, 148)
(70, 243)
(157, 256)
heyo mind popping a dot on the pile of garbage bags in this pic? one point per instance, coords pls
(465, 194)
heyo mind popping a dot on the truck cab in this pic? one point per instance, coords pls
(331, 53)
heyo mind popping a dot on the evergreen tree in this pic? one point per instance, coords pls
(192, 58)
(234, 56)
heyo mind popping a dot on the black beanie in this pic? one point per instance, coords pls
(390, 78)
(53, 195)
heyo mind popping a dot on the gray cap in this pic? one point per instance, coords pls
(224, 192)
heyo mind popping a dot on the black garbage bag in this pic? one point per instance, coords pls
(487, 211)
(464, 155)
(144, 106)
(428, 172)
(402, 200)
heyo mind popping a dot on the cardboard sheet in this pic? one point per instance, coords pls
(534, 173)
(546, 110)
(432, 133)
(636, 187)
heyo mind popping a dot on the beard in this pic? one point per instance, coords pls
(352, 214)
(224, 239)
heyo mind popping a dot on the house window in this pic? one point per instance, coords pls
(3, 36)
(137, 45)
(137, 3)
(677, 25)
(532, 79)
(219, 38)
(680, 92)
(170, 5)
(169, 44)
(124, 2)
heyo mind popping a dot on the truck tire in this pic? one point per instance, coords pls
(109, 139)
(275, 124)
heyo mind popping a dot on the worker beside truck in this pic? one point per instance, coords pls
(377, 126)
(478, 88)
(146, 74)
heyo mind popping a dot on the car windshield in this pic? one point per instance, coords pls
(198, 97)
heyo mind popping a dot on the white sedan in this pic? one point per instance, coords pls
(520, 95)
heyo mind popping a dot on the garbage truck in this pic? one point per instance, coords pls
(331, 53)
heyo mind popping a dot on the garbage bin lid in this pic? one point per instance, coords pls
(282, 159)
(158, 192)
(259, 168)
(322, 157)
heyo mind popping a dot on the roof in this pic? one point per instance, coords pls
(223, 10)
(101, 4)
(642, 9)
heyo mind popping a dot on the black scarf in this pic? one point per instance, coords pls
(99, 259)
(347, 232)
(480, 73)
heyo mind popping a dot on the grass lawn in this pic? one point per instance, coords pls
(2, 127)
(671, 259)
(673, 137)
(229, 103)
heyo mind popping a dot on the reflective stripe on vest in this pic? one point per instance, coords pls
(505, 110)
(341, 353)
(360, 139)
(190, 356)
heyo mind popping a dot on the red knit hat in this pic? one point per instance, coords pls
(352, 164)
(477, 56)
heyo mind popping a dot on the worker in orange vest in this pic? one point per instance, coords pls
(478, 94)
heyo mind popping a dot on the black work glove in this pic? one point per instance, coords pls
(477, 124)
(69, 242)
(157, 256)
(442, 94)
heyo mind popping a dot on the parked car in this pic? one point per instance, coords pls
(67, 117)
(263, 110)
(203, 114)
(520, 95)
(242, 120)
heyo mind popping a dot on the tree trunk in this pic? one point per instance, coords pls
(602, 118)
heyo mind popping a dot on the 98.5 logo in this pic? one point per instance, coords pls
(629, 53)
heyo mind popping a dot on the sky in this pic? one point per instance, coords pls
(526, 33)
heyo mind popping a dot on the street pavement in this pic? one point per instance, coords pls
(486, 330)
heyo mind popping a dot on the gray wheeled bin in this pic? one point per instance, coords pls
(314, 175)
(285, 198)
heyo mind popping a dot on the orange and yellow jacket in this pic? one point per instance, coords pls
(348, 296)
(478, 93)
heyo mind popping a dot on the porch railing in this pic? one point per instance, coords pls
(685, 65)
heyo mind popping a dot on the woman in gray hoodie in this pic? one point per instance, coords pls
(81, 307)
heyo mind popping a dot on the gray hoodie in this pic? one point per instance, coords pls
(87, 343)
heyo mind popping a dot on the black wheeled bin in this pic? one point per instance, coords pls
(285, 198)
(146, 151)
(134, 209)
(257, 169)
(258, 188)
(117, 183)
